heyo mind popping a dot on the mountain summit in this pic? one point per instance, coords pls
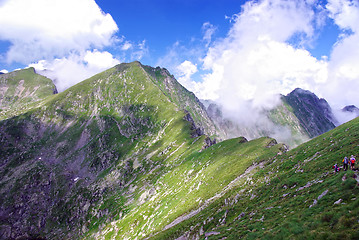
(314, 114)
(58, 157)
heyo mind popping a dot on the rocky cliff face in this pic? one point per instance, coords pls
(315, 115)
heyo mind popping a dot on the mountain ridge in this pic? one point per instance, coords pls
(78, 136)
(21, 90)
(121, 155)
(315, 114)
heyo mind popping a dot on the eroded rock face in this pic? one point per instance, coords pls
(196, 131)
(315, 114)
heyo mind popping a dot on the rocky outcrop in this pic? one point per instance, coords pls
(315, 115)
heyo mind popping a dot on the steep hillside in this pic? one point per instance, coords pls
(184, 99)
(21, 90)
(295, 195)
(67, 164)
(187, 186)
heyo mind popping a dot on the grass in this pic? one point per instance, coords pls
(25, 90)
(280, 203)
(140, 171)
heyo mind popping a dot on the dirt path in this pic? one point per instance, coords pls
(232, 184)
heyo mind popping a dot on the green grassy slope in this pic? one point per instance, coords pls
(296, 195)
(67, 165)
(187, 185)
(21, 90)
(184, 99)
(283, 115)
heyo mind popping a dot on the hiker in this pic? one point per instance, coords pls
(352, 162)
(336, 168)
(345, 163)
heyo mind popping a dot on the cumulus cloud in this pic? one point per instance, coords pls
(59, 35)
(41, 29)
(184, 72)
(345, 13)
(264, 54)
(100, 60)
(255, 61)
(344, 60)
(74, 68)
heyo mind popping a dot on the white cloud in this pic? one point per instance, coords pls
(4, 71)
(100, 60)
(127, 45)
(208, 30)
(42, 29)
(345, 13)
(255, 61)
(258, 59)
(140, 51)
(74, 68)
(184, 71)
(343, 67)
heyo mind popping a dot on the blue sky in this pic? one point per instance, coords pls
(163, 23)
(230, 51)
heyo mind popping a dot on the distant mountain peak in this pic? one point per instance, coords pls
(301, 91)
(314, 113)
(350, 108)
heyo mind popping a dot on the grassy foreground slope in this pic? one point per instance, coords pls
(296, 195)
(188, 185)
